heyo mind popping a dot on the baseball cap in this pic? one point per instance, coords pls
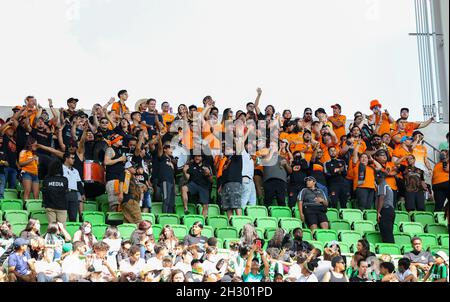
(442, 255)
(130, 165)
(336, 106)
(20, 241)
(310, 178)
(405, 138)
(72, 100)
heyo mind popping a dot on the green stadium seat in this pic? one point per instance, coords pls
(429, 206)
(208, 231)
(14, 216)
(114, 216)
(317, 244)
(40, 215)
(437, 248)
(18, 227)
(1, 215)
(266, 222)
(260, 232)
(440, 218)
(307, 235)
(370, 215)
(227, 242)
(351, 214)
(402, 238)
(180, 231)
(102, 198)
(363, 226)
(44, 227)
(388, 248)
(401, 216)
(11, 204)
(435, 228)
(325, 236)
(178, 200)
(340, 225)
(94, 217)
(396, 227)
(98, 230)
(227, 232)
(149, 217)
(179, 209)
(349, 237)
(10, 194)
(34, 206)
(268, 234)
(239, 221)
(213, 210)
(411, 227)
(90, 206)
(189, 220)
(332, 214)
(126, 230)
(104, 207)
(373, 237)
(157, 228)
(220, 221)
(428, 240)
(219, 242)
(169, 219)
(422, 217)
(256, 211)
(277, 211)
(157, 208)
(345, 248)
(72, 227)
(443, 240)
(289, 224)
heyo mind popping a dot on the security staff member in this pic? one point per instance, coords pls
(336, 170)
(312, 205)
(385, 208)
(75, 186)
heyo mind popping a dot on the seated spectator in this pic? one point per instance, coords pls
(308, 269)
(362, 275)
(352, 270)
(74, 265)
(6, 236)
(387, 271)
(337, 274)
(155, 263)
(48, 270)
(101, 270)
(249, 235)
(404, 274)
(168, 239)
(113, 239)
(56, 237)
(195, 238)
(325, 265)
(177, 276)
(84, 234)
(363, 249)
(439, 270)
(124, 251)
(421, 260)
(131, 267)
(32, 230)
(276, 265)
(299, 245)
(20, 264)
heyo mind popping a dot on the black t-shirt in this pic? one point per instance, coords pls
(67, 134)
(333, 177)
(358, 279)
(234, 171)
(197, 175)
(54, 191)
(2, 159)
(10, 149)
(300, 169)
(141, 178)
(21, 138)
(126, 136)
(42, 138)
(199, 241)
(166, 169)
(116, 171)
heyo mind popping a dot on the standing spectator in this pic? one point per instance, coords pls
(312, 205)
(54, 193)
(421, 261)
(338, 272)
(231, 187)
(28, 162)
(20, 264)
(10, 148)
(248, 185)
(115, 164)
(3, 165)
(166, 177)
(404, 273)
(389, 170)
(338, 120)
(132, 194)
(276, 170)
(439, 270)
(440, 181)
(381, 121)
(414, 184)
(252, 272)
(362, 272)
(119, 107)
(411, 126)
(336, 170)
(444, 145)
(167, 115)
(296, 183)
(385, 209)
(363, 181)
(420, 153)
(75, 186)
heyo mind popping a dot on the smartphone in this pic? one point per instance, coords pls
(258, 243)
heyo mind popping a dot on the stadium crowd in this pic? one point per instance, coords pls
(140, 157)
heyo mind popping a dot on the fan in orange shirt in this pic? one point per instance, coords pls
(338, 121)
(440, 181)
(390, 169)
(307, 147)
(402, 151)
(167, 117)
(119, 107)
(381, 120)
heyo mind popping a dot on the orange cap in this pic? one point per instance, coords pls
(374, 103)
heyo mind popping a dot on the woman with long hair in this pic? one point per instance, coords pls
(249, 235)
(167, 238)
(6, 236)
(84, 234)
(363, 249)
(32, 230)
(177, 276)
(29, 162)
(337, 274)
(55, 237)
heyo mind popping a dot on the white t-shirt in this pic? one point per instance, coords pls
(74, 265)
(154, 264)
(248, 166)
(127, 267)
(310, 278)
(401, 277)
(295, 272)
(184, 267)
(324, 267)
(50, 269)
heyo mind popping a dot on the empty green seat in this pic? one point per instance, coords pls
(351, 214)
(189, 220)
(437, 248)
(169, 219)
(72, 227)
(370, 215)
(373, 237)
(213, 210)
(402, 238)
(228, 241)
(98, 230)
(266, 222)
(114, 216)
(396, 227)
(429, 206)
(325, 235)
(439, 217)
(227, 232)
(443, 239)
(208, 231)
(157, 228)
(220, 221)
(11, 204)
(363, 226)
(260, 232)
(411, 227)
(18, 227)
(435, 228)
(40, 215)
(126, 230)
(10, 194)
(256, 211)
(44, 227)
(94, 217)
(388, 248)
(14, 216)
(157, 208)
(428, 240)
(89, 206)
(289, 224)
(401, 216)
(1, 215)
(278, 211)
(317, 244)
(422, 217)
(349, 237)
(149, 217)
(180, 231)
(34, 206)
(307, 235)
(239, 221)
(179, 209)
(332, 214)
(340, 225)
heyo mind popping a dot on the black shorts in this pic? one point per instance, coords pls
(258, 173)
(314, 215)
(202, 192)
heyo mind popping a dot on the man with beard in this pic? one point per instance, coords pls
(150, 118)
(415, 185)
(378, 144)
(115, 163)
(299, 245)
(307, 147)
(307, 119)
(336, 171)
(390, 171)
(352, 143)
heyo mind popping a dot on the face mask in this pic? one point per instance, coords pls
(150, 231)
(87, 230)
(4, 231)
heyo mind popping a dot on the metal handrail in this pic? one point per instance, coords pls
(435, 158)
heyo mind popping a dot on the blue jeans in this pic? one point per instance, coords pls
(11, 177)
(41, 277)
(2, 185)
(147, 200)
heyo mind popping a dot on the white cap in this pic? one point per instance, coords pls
(443, 255)
(128, 165)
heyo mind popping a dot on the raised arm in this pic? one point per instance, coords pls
(426, 123)
(355, 153)
(258, 97)
(51, 150)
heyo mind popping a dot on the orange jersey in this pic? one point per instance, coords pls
(420, 153)
(369, 180)
(339, 131)
(32, 167)
(385, 126)
(168, 118)
(439, 175)
(306, 149)
(400, 152)
(326, 156)
(119, 108)
(219, 163)
(409, 127)
(207, 135)
(390, 180)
